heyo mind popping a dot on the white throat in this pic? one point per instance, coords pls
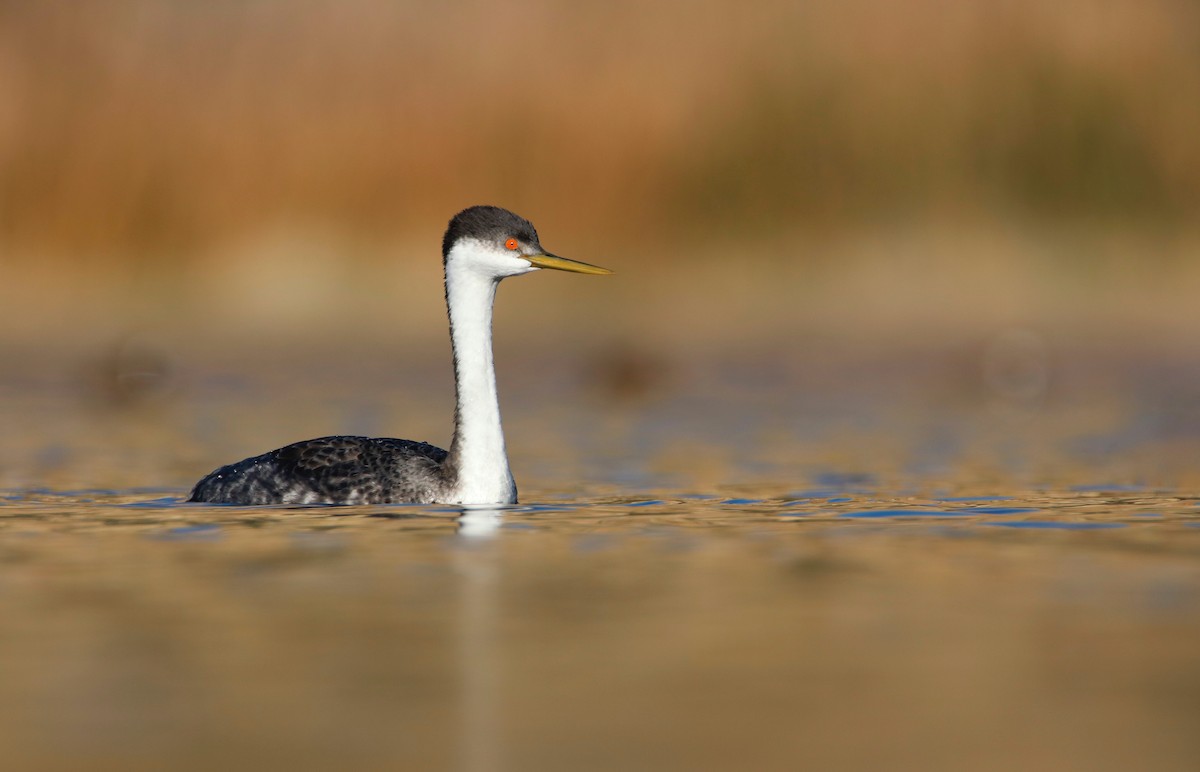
(477, 454)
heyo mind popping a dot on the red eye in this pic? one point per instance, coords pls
(511, 244)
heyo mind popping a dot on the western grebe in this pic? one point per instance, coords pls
(482, 245)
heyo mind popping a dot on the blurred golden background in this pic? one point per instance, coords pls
(878, 451)
(863, 167)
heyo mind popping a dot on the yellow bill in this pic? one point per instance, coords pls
(563, 264)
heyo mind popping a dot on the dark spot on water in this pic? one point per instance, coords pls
(198, 532)
(817, 567)
(53, 456)
(385, 515)
(843, 480)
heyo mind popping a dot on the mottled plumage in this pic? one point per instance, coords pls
(333, 470)
(482, 245)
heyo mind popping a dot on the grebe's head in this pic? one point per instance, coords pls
(496, 243)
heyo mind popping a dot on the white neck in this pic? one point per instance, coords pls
(477, 454)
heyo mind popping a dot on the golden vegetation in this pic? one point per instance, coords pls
(153, 124)
(929, 164)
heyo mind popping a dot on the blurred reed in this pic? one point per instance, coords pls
(130, 130)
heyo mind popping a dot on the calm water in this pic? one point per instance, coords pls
(744, 565)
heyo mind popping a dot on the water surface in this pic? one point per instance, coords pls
(746, 570)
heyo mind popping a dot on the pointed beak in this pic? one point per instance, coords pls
(563, 264)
